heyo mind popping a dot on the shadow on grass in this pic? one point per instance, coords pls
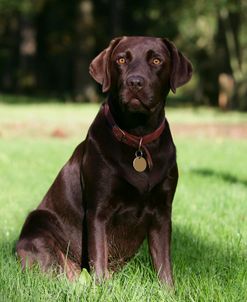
(199, 256)
(196, 258)
(19, 99)
(15, 99)
(224, 176)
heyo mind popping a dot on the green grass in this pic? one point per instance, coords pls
(209, 218)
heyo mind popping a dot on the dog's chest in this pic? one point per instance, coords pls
(143, 182)
(126, 228)
(128, 207)
(140, 181)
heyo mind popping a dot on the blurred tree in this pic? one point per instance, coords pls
(215, 31)
(229, 59)
(55, 23)
(84, 46)
(9, 44)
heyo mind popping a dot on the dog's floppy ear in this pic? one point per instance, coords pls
(181, 67)
(99, 68)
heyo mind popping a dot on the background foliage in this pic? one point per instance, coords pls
(46, 46)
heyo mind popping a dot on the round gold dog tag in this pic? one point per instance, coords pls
(140, 164)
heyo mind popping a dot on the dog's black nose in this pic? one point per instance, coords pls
(135, 82)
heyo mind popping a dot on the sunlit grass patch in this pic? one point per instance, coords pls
(209, 216)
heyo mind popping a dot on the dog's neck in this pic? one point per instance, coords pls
(133, 122)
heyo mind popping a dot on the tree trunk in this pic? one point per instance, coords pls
(9, 56)
(27, 55)
(230, 60)
(117, 7)
(84, 89)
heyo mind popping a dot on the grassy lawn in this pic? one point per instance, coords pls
(209, 218)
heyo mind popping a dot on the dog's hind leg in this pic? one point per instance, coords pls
(48, 258)
(43, 242)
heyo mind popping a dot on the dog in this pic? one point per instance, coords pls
(118, 186)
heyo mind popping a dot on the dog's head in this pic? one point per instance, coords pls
(140, 71)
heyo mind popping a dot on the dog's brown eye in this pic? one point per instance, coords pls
(156, 61)
(121, 61)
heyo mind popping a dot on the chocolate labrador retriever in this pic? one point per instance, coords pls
(118, 186)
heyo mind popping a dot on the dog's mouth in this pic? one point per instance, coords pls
(140, 101)
(136, 104)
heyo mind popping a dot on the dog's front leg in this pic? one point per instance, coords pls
(159, 239)
(97, 246)
(159, 235)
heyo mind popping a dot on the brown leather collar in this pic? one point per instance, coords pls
(138, 142)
